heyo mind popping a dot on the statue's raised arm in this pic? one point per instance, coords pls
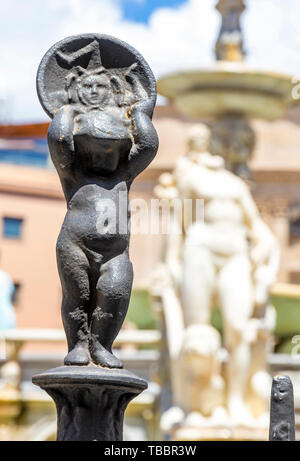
(145, 140)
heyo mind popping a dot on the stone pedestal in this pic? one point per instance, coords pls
(90, 400)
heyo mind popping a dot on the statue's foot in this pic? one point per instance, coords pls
(104, 358)
(78, 356)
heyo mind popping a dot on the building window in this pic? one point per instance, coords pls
(12, 227)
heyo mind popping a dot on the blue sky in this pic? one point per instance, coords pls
(171, 34)
(141, 10)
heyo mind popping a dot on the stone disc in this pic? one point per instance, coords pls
(88, 51)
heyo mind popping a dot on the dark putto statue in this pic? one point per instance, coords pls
(101, 94)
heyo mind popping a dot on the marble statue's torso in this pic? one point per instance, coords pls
(223, 229)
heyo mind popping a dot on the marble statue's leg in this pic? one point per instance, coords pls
(236, 299)
(114, 288)
(73, 269)
(197, 285)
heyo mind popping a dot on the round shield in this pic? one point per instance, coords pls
(89, 52)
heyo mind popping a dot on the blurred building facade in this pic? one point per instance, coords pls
(32, 206)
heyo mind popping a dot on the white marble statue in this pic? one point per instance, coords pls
(229, 258)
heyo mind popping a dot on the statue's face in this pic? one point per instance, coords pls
(198, 143)
(94, 90)
(199, 137)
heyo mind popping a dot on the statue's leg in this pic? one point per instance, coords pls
(114, 289)
(236, 299)
(198, 280)
(260, 380)
(73, 269)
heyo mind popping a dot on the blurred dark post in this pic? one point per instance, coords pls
(282, 413)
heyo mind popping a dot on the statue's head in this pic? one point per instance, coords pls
(95, 88)
(198, 138)
(198, 147)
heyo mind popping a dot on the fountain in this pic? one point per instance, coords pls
(227, 96)
(230, 94)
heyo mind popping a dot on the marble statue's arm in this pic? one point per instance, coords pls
(60, 140)
(264, 246)
(145, 139)
(249, 207)
(174, 249)
(265, 274)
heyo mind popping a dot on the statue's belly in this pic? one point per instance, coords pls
(223, 210)
(222, 238)
(93, 218)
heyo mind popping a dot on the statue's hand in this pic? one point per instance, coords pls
(142, 102)
(132, 78)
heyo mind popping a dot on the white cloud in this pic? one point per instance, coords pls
(272, 35)
(174, 39)
(170, 41)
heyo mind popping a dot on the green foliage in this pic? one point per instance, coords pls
(287, 325)
(285, 346)
(139, 311)
(288, 316)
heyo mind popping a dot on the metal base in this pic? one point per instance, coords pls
(90, 401)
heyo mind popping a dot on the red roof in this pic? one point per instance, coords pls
(38, 130)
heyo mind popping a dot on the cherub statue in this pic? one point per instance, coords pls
(100, 139)
(229, 258)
